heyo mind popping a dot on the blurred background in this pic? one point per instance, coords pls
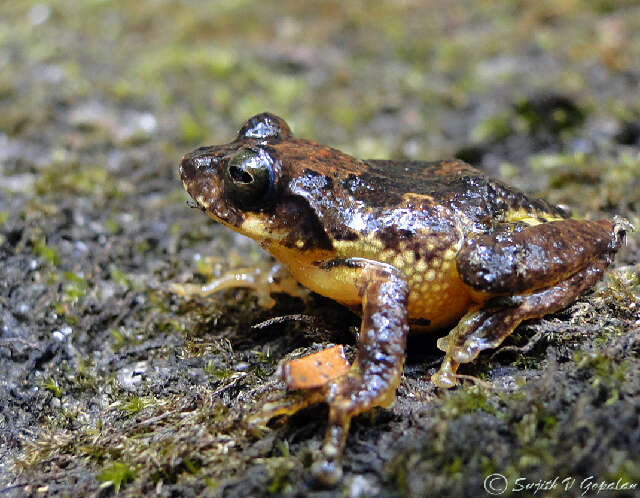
(98, 101)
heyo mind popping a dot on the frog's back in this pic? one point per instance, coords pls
(473, 197)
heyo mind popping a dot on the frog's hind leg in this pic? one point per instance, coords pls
(486, 327)
(518, 259)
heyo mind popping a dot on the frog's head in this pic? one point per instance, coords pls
(267, 184)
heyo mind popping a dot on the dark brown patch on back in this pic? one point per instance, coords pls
(452, 183)
(373, 189)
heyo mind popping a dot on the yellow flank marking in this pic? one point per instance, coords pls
(530, 218)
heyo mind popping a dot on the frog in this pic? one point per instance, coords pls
(409, 245)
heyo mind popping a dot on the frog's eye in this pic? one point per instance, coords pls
(249, 179)
(264, 126)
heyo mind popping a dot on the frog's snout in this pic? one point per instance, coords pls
(198, 174)
(193, 165)
(186, 169)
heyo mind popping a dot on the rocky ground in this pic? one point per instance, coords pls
(110, 383)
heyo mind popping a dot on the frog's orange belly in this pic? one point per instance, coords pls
(436, 292)
(441, 298)
(442, 302)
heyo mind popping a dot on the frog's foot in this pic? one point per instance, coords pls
(347, 396)
(488, 326)
(263, 280)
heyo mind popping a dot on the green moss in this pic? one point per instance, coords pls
(549, 113)
(192, 466)
(280, 472)
(119, 277)
(47, 253)
(122, 338)
(550, 161)
(167, 325)
(624, 288)
(4, 216)
(77, 180)
(626, 470)
(98, 453)
(52, 386)
(493, 129)
(265, 364)
(606, 375)
(217, 373)
(466, 400)
(75, 287)
(84, 377)
(142, 247)
(113, 226)
(399, 476)
(454, 467)
(211, 483)
(116, 475)
(135, 405)
(191, 131)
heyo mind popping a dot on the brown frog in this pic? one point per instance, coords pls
(410, 244)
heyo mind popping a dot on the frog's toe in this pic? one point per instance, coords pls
(288, 404)
(326, 472)
(445, 378)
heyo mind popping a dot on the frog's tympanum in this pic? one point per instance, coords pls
(409, 244)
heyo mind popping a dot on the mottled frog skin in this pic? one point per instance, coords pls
(426, 245)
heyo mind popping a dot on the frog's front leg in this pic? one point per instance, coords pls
(376, 372)
(264, 278)
(530, 272)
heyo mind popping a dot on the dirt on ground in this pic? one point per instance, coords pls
(110, 383)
